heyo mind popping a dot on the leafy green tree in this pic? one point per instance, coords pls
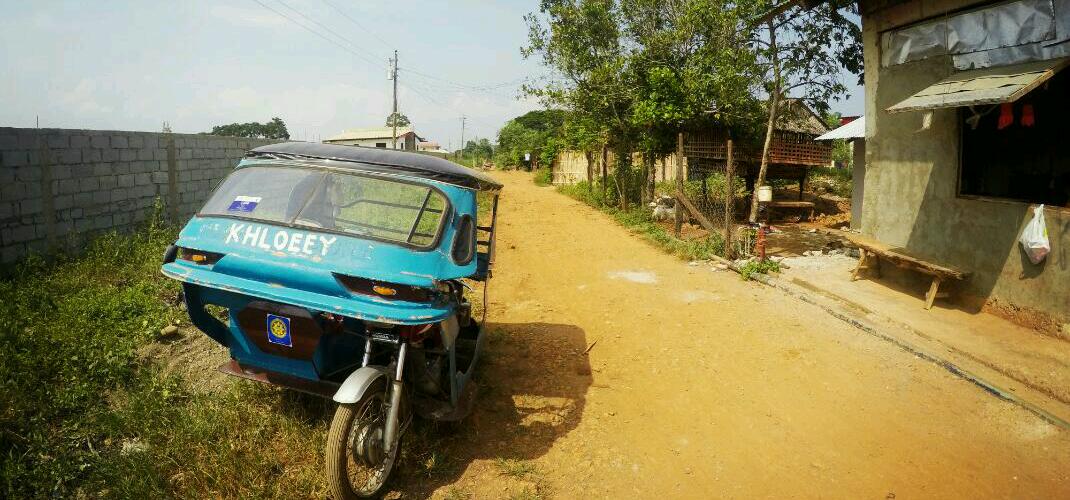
(274, 129)
(402, 120)
(530, 133)
(802, 52)
(841, 150)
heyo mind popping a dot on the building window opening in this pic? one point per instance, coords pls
(1015, 151)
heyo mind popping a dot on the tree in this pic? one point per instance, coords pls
(274, 129)
(530, 133)
(802, 52)
(403, 121)
(643, 70)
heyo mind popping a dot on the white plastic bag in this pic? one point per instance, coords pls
(1034, 239)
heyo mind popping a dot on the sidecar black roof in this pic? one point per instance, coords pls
(381, 160)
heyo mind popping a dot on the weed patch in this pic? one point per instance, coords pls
(639, 221)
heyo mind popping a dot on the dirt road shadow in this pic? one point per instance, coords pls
(533, 378)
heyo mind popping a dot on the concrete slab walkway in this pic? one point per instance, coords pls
(1026, 362)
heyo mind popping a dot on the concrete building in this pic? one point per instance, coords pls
(965, 108)
(377, 137)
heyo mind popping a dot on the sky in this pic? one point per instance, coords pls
(133, 65)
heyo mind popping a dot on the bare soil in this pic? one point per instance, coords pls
(613, 370)
(699, 384)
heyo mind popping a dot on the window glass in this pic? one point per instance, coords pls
(374, 207)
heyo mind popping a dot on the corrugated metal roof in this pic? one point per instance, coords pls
(855, 129)
(982, 86)
(369, 133)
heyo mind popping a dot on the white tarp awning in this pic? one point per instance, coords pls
(856, 129)
(982, 86)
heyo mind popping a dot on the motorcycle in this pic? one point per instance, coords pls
(345, 272)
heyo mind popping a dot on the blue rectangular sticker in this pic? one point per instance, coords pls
(278, 330)
(244, 204)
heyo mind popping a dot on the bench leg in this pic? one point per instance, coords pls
(934, 290)
(861, 264)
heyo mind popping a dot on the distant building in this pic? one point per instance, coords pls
(377, 137)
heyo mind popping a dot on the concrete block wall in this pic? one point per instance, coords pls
(60, 186)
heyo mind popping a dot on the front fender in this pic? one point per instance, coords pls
(357, 382)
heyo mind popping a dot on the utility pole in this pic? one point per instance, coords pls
(463, 118)
(394, 76)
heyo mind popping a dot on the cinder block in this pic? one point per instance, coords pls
(68, 186)
(12, 252)
(62, 202)
(15, 158)
(184, 176)
(185, 154)
(23, 233)
(159, 154)
(7, 210)
(120, 168)
(109, 155)
(159, 177)
(58, 141)
(119, 194)
(83, 200)
(135, 141)
(28, 173)
(90, 155)
(151, 141)
(30, 206)
(145, 154)
(60, 172)
(100, 141)
(121, 218)
(128, 154)
(108, 181)
(79, 141)
(88, 184)
(100, 169)
(82, 225)
(101, 197)
(69, 156)
(119, 141)
(9, 141)
(125, 181)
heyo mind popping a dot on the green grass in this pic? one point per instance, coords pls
(74, 392)
(639, 221)
(752, 267)
(543, 177)
(514, 468)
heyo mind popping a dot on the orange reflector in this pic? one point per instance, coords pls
(198, 257)
(382, 290)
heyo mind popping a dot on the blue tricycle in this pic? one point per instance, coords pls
(341, 271)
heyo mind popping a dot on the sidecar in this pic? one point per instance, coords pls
(311, 261)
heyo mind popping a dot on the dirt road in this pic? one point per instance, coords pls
(701, 385)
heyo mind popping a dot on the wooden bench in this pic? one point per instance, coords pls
(806, 206)
(873, 250)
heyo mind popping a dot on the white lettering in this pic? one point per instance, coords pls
(234, 233)
(327, 242)
(261, 243)
(280, 240)
(309, 241)
(251, 235)
(295, 243)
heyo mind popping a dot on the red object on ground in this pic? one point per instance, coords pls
(1006, 115)
(1028, 118)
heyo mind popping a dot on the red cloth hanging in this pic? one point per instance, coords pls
(1006, 115)
(1028, 119)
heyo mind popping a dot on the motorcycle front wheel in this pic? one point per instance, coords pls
(357, 464)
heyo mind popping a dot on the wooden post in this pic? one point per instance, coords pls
(679, 178)
(730, 201)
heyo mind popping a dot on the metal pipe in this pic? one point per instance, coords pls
(367, 352)
(392, 427)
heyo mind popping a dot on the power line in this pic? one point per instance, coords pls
(358, 24)
(317, 23)
(321, 35)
